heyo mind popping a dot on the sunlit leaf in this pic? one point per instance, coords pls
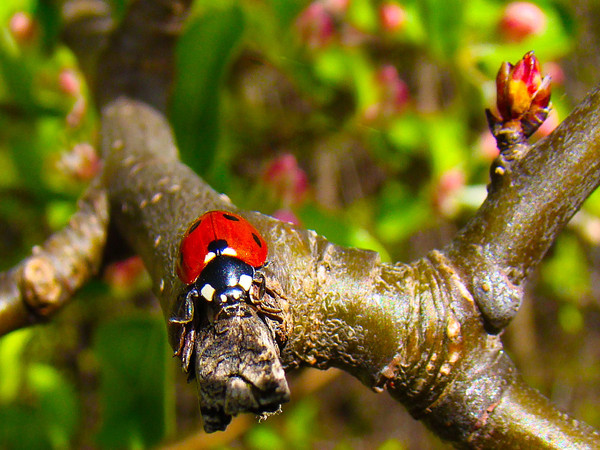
(12, 364)
(443, 20)
(203, 53)
(58, 406)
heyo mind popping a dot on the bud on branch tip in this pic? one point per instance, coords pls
(523, 96)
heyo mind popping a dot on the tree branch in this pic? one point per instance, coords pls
(44, 282)
(414, 329)
(526, 209)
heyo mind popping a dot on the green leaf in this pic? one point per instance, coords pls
(302, 423)
(264, 438)
(58, 406)
(443, 21)
(447, 141)
(133, 354)
(12, 364)
(48, 14)
(51, 419)
(566, 272)
(570, 318)
(287, 10)
(30, 144)
(17, 430)
(392, 444)
(342, 232)
(402, 213)
(203, 53)
(363, 15)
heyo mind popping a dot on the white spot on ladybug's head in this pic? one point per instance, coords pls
(207, 292)
(223, 298)
(232, 282)
(236, 295)
(209, 257)
(229, 251)
(245, 282)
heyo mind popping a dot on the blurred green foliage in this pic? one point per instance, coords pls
(360, 119)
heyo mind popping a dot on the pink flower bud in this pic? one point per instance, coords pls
(394, 88)
(68, 82)
(337, 6)
(23, 27)
(124, 274)
(287, 179)
(393, 94)
(392, 16)
(447, 190)
(285, 215)
(522, 19)
(315, 25)
(521, 90)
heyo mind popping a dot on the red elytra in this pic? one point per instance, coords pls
(247, 243)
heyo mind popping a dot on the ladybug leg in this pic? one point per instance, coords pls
(186, 339)
(259, 280)
(188, 310)
(256, 299)
(182, 336)
(187, 349)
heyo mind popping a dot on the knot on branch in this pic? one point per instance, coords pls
(493, 287)
(447, 356)
(55, 270)
(42, 290)
(497, 298)
(440, 314)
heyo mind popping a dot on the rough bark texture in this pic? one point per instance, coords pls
(414, 329)
(426, 331)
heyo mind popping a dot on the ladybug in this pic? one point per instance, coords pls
(218, 260)
(218, 256)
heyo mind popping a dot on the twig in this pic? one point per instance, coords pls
(44, 282)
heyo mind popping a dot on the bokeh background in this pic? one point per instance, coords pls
(360, 119)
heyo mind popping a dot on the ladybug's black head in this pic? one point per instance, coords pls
(225, 280)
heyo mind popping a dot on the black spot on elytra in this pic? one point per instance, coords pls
(256, 239)
(217, 246)
(194, 226)
(230, 217)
